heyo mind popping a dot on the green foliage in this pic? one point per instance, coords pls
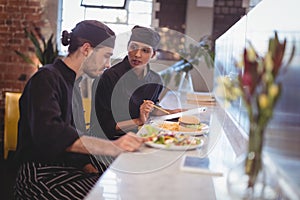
(166, 77)
(190, 56)
(195, 53)
(177, 78)
(45, 50)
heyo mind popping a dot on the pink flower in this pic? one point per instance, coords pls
(250, 78)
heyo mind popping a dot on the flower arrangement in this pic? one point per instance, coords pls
(259, 86)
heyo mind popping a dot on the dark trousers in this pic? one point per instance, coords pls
(40, 181)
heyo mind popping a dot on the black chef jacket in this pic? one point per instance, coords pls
(120, 93)
(46, 126)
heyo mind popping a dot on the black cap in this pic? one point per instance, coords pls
(95, 32)
(145, 35)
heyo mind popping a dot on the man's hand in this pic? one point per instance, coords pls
(129, 142)
(89, 168)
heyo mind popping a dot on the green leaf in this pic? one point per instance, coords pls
(166, 77)
(292, 55)
(49, 53)
(150, 129)
(177, 79)
(46, 53)
(34, 40)
(26, 58)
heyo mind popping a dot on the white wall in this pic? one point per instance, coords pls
(199, 23)
(199, 20)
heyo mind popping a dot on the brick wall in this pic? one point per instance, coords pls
(172, 14)
(226, 13)
(15, 15)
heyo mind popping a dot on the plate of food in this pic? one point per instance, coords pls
(186, 124)
(172, 141)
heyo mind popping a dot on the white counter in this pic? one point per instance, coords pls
(155, 174)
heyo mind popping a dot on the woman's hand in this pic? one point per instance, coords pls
(145, 110)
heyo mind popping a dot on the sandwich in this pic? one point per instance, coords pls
(189, 123)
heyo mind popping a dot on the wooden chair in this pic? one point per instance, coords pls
(11, 117)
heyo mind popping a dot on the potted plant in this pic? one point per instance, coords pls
(45, 50)
(189, 57)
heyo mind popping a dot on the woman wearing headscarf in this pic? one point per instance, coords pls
(129, 85)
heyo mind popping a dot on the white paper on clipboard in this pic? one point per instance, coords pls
(180, 114)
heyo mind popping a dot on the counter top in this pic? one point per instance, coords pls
(155, 174)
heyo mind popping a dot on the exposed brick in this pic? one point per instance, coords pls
(220, 3)
(226, 13)
(217, 10)
(229, 3)
(36, 3)
(20, 34)
(30, 70)
(25, 23)
(3, 30)
(11, 76)
(16, 2)
(241, 11)
(238, 3)
(225, 10)
(166, 15)
(14, 41)
(12, 8)
(31, 17)
(29, 10)
(233, 10)
(6, 58)
(15, 15)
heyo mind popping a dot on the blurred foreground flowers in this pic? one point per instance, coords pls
(259, 86)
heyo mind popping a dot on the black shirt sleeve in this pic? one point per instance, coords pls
(47, 117)
(103, 107)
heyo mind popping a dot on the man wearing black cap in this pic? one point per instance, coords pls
(124, 89)
(53, 153)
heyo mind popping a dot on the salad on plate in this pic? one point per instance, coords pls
(170, 140)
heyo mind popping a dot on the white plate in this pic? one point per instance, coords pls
(184, 130)
(174, 147)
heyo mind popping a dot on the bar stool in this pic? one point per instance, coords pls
(11, 118)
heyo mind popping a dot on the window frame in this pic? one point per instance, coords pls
(104, 7)
(124, 25)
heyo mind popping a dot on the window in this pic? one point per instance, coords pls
(119, 20)
(104, 3)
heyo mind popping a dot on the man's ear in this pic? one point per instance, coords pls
(86, 48)
(154, 53)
